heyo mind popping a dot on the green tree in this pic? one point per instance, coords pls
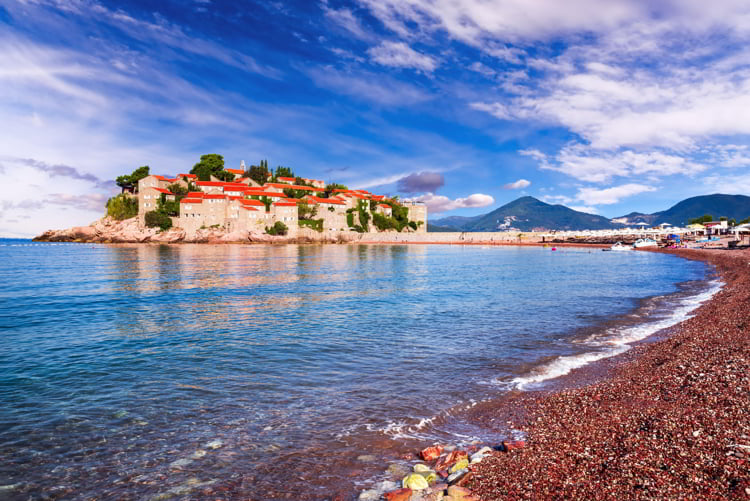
(179, 190)
(278, 228)
(284, 172)
(156, 218)
(123, 206)
(305, 211)
(257, 173)
(333, 186)
(210, 164)
(707, 218)
(129, 182)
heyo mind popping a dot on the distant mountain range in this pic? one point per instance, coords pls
(528, 214)
(730, 206)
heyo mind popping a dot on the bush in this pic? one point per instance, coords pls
(122, 207)
(350, 219)
(315, 224)
(156, 218)
(278, 228)
(413, 225)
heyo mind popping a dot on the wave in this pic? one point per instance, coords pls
(613, 341)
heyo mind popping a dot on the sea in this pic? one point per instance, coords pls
(292, 371)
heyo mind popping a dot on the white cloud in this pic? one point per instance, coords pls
(521, 183)
(583, 208)
(607, 196)
(439, 203)
(601, 166)
(347, 20)
(498, 110)
(400, 55)
(366, 86)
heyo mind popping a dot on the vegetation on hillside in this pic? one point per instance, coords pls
(278, 228)
(122, 206)
(129, 182)
(211, 164)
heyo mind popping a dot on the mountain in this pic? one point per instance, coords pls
(434, 228)
(455, 222)
(526, 214)
(718, 205)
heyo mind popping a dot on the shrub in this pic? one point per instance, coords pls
(413, 225)
(156, 218)
(278, 228)
(122, 207)
(315, 224)
(350, 219)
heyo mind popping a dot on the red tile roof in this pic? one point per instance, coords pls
(256, 203)
(291, 186)
(319, 200)
(161, 190)
(385, 206)
(250, 208)
(261, 193)
(189, 176)
(214, 197)
(195, 194)
(292, 179)
(164, 178)
(210, 183)
(191, 201)
(284, 203)
(239, 172)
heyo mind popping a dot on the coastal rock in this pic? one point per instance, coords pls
(369, 495)
(431, 453)
(460, 465)
(421, 468)
(456, 476)
(514, 444)
(415, 481)
(398, 495)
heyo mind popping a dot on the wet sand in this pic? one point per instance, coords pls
(670, 419)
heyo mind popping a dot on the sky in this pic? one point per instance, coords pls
(605, 107)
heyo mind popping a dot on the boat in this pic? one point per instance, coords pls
(619, 246)
(645, 242)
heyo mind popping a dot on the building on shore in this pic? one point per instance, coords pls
(244, 205)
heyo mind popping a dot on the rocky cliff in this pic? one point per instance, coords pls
(108, 230)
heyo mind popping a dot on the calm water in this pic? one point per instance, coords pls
(196, 371)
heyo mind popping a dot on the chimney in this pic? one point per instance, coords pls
(242, 165)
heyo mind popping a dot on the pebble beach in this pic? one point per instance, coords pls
(670, 421)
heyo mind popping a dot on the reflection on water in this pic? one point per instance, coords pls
(262, 372)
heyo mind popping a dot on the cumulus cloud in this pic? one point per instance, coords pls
(607, 196)
(583, 208)
(400, 55)
(597, 166)
(421, 182)
(521, 183)
(439, 203)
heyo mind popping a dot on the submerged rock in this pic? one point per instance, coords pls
(214, 444)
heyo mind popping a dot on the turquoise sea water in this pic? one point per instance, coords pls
(262, 372)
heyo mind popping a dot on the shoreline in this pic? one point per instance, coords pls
(658, 421)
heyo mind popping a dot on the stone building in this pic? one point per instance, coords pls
(241, 205)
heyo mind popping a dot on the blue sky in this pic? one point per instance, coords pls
(465, 105)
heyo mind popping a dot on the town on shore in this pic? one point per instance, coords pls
(258, 200)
